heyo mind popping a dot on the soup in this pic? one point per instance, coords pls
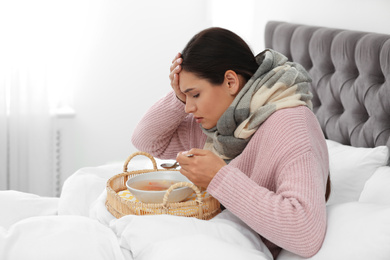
(152, 185)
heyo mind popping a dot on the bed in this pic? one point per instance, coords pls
(351, 88)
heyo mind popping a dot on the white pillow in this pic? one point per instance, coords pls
(82, 188)
(350, 167)
(377, 188)
(60, 238)
(16, 205)
(224, 237)
(356, 231)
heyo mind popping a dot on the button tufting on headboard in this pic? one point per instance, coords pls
(351, 78)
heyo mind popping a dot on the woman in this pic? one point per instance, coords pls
(258, 147)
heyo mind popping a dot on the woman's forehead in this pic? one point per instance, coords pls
(189, 81)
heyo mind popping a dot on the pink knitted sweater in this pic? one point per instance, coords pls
(276, 185)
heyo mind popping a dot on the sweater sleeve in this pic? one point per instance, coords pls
(167, 129)
(280, 191)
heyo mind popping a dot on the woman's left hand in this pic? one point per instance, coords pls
(201, 168)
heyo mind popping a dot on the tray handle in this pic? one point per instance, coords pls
(139, 153)
(185, 184)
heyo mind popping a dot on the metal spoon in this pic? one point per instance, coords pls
(174, 165)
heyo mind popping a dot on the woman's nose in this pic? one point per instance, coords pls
(190, 107)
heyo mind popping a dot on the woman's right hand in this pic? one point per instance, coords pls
(174, 77)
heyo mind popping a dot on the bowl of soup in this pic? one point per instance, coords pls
(151, 187)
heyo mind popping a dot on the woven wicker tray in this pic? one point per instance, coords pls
(202, 208)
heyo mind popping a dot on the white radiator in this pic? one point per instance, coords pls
(27, 166)
(57, 180)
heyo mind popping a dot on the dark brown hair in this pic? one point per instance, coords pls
(211, 52)
(328, 189)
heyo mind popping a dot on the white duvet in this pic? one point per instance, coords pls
(78, 226)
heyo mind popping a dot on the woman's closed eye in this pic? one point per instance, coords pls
(196, 95)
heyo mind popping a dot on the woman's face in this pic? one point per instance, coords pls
(205, 101)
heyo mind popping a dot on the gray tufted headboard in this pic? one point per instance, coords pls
(351, 78)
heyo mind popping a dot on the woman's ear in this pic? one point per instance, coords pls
(232, 81)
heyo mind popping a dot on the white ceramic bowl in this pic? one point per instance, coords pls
(147, 196)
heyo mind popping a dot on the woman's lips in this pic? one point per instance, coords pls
(198, 119)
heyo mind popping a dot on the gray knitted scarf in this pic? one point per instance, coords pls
(276, 84)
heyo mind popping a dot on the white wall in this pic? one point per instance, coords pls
(248, 17)
(361, 15)
(122, 61)
(120, 68)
